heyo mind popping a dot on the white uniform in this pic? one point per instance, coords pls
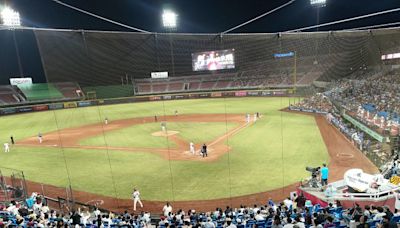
(191, 146)
(6, 147)
(255, 117)
(106, 121)
(248, 118)
(40, 137)
(136, 199)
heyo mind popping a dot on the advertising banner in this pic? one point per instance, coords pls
(84, 103)
(240, 93)
(56, 106)
(265, 93)
(157, 75)
(216, 94)
(193, 95)
(70, 105)
(279, 93)
(180, 96)
(364, 128)
(252, 93)
(40, 108)
(7, 111)
(25, 109)
(21, 81)
(155, 98)
(204, 95)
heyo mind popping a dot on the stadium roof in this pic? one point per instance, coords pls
(205, 16)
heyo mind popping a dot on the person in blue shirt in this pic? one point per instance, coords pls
(324, 175)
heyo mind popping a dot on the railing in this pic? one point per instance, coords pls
(387, 194)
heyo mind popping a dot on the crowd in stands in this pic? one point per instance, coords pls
(378, 95)
(321, 103)
(318, 102)
(293, 212)
(35, 213)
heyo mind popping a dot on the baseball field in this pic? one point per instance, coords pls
(132, 151)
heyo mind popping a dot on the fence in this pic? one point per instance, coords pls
(12, 185)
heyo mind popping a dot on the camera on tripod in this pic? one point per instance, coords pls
(313, 171)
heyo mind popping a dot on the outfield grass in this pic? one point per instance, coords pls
(140, 135)
(270, 154)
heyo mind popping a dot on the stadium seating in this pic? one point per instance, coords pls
(68, 89)
(40, 91)
(9, 95)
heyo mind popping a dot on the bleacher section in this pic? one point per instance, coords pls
(9, 95)
(244, 80)
(111, 91)
(40, 91)
(68, 89)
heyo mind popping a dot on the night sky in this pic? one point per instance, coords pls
(195, 16)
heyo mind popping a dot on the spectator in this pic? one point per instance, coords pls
(167, 209)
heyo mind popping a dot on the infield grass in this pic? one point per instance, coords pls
(270, 154)
(140, 135)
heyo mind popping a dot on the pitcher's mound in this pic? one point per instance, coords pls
(164, 134)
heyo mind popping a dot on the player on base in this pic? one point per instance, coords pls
(40, 137)
(6, 147)
(191, 147)
(136, 198)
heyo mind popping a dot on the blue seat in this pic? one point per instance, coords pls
(261, 223)
(395, 219)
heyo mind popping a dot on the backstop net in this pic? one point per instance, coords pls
(12, 185)
(103, 164)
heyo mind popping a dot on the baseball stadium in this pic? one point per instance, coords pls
(134, 128)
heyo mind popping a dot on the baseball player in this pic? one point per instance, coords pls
(255, 117)
(106, 121)
(40, 137)
(191, 146)
(163, 127)
(136, 198)
(248, 118)
(6, 147)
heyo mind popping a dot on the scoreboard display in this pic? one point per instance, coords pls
(213, 60)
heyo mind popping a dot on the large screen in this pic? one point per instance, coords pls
(213, 60)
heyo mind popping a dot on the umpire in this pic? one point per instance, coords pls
(204, 150)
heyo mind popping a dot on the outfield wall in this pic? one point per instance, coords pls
(164, 97)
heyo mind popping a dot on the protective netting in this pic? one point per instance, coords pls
(103, 151)
(103, 58)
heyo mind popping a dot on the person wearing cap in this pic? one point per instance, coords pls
(136, 198)
(229, 223)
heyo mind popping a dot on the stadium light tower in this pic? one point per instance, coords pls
(318, 3)
(10, 17)
(169, 19)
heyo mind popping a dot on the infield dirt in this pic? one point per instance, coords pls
(343, 155)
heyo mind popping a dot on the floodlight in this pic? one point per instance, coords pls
(169, 19)
(318, 3)
(10, 17)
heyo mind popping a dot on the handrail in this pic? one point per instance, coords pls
(375, 195)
